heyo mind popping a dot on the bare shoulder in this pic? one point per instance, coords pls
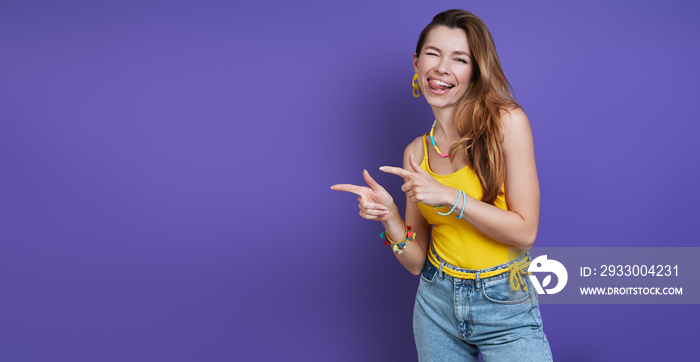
(514, 124)
(415, 148)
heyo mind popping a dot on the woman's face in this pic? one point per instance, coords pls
(444, 66)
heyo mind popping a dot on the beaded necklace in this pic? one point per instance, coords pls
(432, 140)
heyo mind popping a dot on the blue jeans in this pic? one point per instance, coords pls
(455, 319)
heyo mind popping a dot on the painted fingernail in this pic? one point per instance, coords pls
(381, 168)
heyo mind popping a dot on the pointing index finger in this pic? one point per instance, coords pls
(357, 190)
(398, 171)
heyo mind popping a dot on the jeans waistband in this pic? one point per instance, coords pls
(516, 267)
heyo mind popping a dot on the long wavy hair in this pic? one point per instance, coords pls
(478, 112)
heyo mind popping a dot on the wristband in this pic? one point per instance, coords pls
(398, 246)
(464, 201)
(460, 195)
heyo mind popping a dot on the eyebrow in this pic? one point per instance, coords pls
(457, 52)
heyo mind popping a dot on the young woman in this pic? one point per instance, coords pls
(472, 203)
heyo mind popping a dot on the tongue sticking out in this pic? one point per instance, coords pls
(439, 85)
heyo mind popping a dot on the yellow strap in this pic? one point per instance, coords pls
(516, 270)
(463, 275)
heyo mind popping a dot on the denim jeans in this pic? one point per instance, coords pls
(455, 319)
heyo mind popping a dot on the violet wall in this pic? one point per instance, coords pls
(165, 171)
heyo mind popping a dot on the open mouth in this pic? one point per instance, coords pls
(438, 84)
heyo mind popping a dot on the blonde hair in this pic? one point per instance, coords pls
(478, 112)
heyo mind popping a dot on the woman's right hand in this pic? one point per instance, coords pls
(375, 201)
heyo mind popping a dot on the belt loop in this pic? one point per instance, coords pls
(477, 282)
(441, 274)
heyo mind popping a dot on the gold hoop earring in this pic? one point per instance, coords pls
(471, 85)
(416, 89)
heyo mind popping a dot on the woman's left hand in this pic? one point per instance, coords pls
(420, 187)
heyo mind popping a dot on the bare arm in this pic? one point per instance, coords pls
(376, 203)
(516, 226)
(413, 257)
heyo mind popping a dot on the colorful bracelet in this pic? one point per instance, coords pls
(460, 195)
(464, 201)
(398, 246)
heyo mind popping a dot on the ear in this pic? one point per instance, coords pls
(415, 62)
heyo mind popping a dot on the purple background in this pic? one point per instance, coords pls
(166, 170)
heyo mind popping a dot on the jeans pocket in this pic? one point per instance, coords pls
(429, 272)
(499, 291)
(535, 313)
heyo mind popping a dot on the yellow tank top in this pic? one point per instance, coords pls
(455, 240)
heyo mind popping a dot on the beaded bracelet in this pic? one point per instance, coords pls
(464, 201)
(398, 246)
(460, 195)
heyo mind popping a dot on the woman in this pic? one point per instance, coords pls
(480, 197)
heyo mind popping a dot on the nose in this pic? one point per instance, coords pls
(443, 67)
